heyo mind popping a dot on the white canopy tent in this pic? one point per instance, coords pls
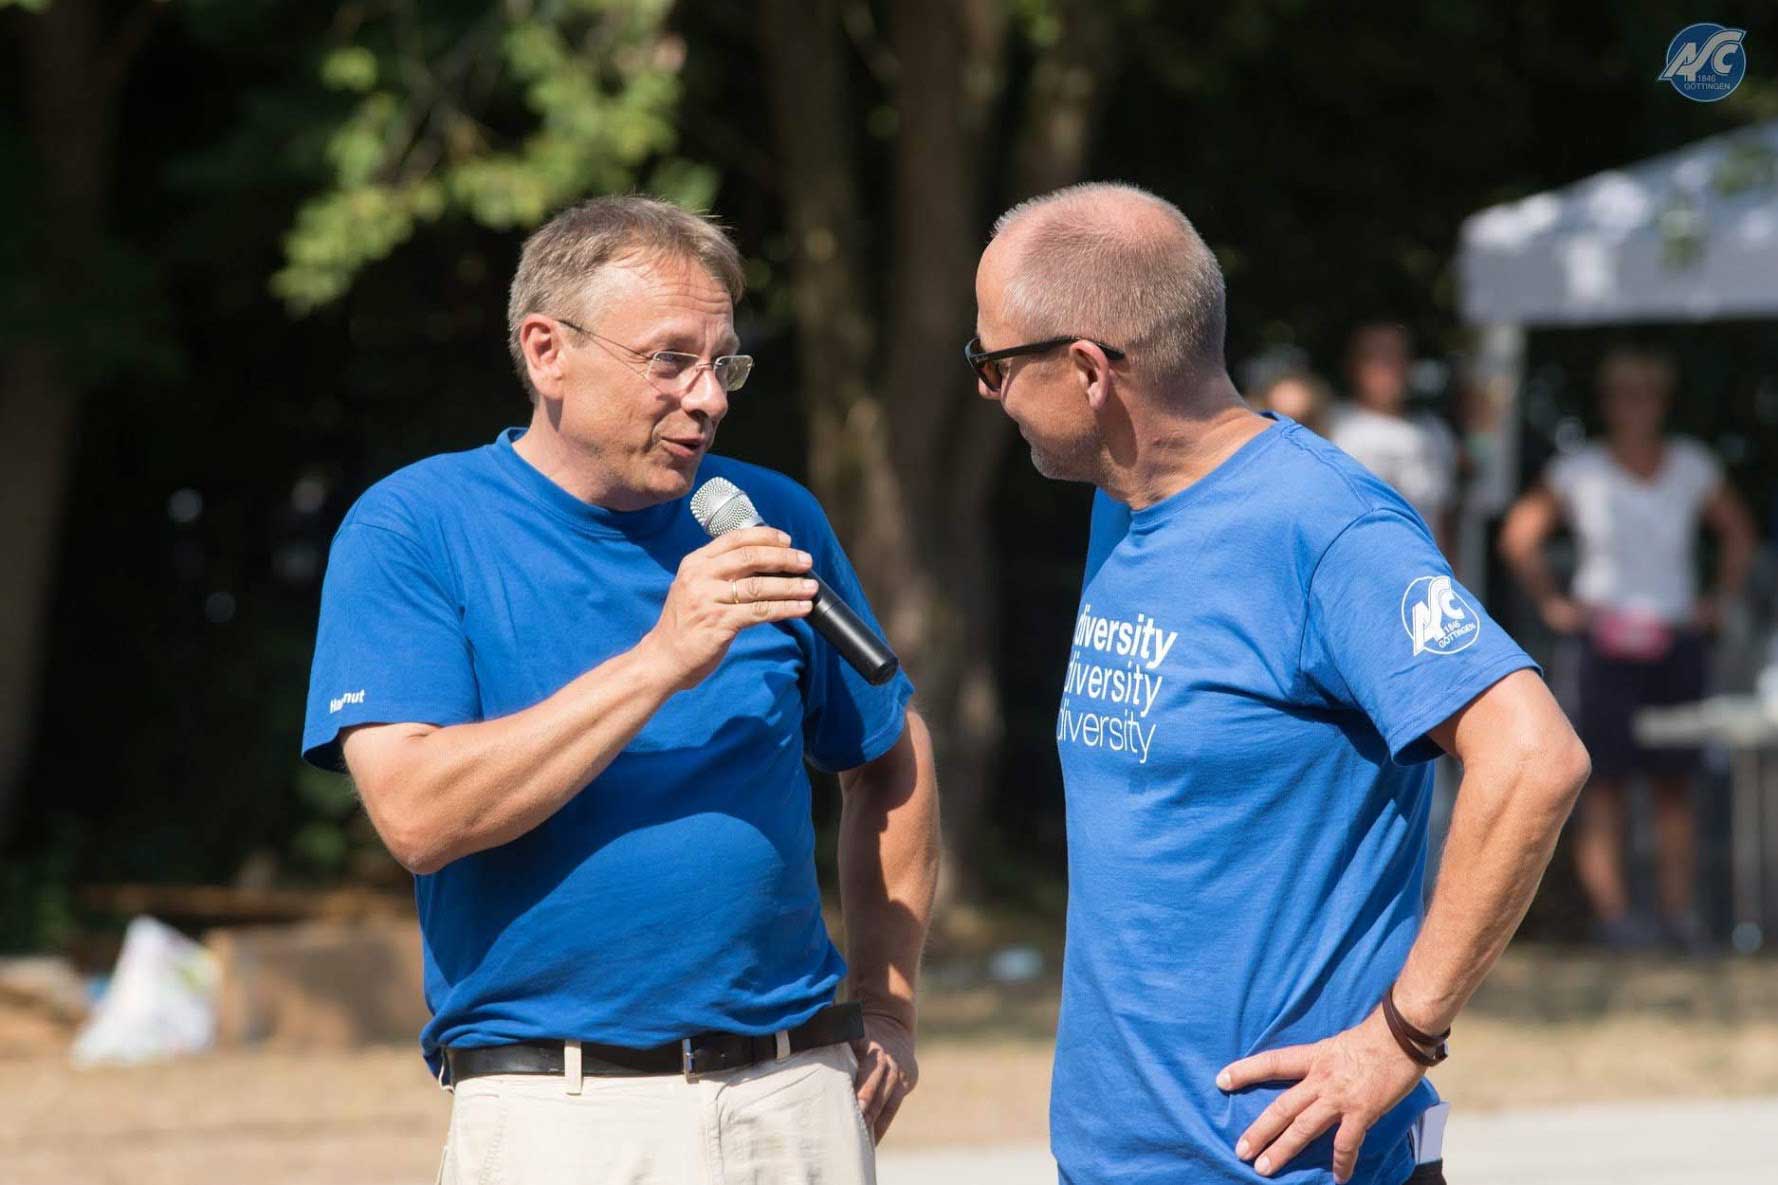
(1688, 236)
(1691, 235)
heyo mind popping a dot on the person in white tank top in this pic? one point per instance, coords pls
(1634, 502)
(1413, 451)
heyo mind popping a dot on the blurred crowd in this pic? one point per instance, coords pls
(1633, 622)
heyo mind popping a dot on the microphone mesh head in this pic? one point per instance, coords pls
(721, 507)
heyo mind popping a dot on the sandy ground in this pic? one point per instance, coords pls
(1549, 1031)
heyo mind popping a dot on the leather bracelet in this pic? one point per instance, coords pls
(1409, 1029)
(1425, 1048)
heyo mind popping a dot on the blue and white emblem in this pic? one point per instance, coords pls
(1706, 62)
(1436, 619)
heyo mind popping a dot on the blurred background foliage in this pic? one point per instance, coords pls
(253, 256)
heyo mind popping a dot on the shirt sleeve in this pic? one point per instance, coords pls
(390, 646)
(846, 721)
(1706, 471)
(1559, 475)
(1390, 632)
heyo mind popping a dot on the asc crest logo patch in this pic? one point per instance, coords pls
(1436, 618)
(1706, 62)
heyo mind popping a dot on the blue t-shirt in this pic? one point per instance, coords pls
(1255, 664)
(676, 893)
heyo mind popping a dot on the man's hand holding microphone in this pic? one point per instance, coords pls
(746, 577)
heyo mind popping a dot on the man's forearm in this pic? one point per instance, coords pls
(1527, 528)
(1734, 560)
(888, 866)
(437, 794)
(1503, 832)
(1526, 561)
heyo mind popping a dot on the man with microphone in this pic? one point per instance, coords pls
(1268, 650)
(582, 724)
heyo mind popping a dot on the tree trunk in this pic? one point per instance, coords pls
(72, 73)
(908, 468)
(836, 335)
(948, 444)
(37, 415)
(1066, 99)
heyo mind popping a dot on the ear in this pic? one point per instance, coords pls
(1092, 370)
(541, 341)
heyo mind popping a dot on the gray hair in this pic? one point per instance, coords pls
(1113, 262)
(560, 266)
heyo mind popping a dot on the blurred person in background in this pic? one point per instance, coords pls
(1634, 502)
(1297, 394)
(1414, 453)
(582, 725)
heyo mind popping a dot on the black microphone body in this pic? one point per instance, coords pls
(846, 632)
(721, 507)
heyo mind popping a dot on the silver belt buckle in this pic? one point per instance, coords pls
(691, 1074)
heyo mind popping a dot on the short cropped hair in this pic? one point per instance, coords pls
(560, 266)
(1146, 284)
(1627, 360)
(1380, 327)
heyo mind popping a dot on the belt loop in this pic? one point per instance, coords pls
(783, 1044)
(444, 1065)
(690, 1061)
(571, 1066)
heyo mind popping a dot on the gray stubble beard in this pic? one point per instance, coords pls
(1065, 468)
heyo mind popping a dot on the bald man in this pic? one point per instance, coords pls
(1269, 649)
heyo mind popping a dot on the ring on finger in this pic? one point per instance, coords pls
(734, 592)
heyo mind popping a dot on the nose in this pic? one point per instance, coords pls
(706, 396)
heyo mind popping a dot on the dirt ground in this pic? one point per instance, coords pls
(1549, 1028)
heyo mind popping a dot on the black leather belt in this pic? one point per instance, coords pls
(705, 1053)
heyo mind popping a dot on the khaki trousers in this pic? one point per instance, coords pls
(794, 1122)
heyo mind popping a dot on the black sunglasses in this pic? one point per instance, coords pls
(987, 363)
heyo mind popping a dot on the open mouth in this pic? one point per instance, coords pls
(682, 448)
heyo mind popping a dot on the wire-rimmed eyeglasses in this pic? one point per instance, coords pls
(674, 371)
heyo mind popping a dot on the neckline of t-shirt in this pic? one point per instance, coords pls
(1152, 516)
(586, 516)
(1653, 481)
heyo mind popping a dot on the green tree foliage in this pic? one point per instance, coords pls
(502, 115)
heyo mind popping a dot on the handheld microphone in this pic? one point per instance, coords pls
(721, 507)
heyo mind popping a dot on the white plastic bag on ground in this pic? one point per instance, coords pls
(162, 1000)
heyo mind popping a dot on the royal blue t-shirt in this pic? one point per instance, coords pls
(676, 893)
(1256, 661)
